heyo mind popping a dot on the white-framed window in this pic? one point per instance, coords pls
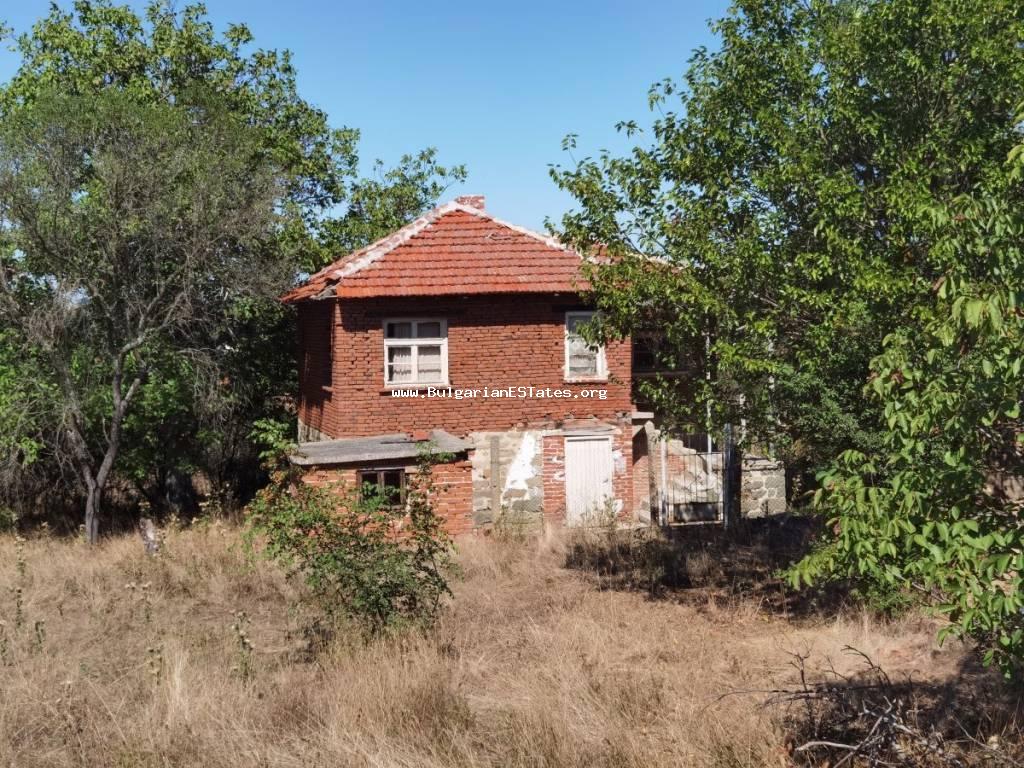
(415, 351)
(583, 361)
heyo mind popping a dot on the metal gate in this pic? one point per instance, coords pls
(699, 480)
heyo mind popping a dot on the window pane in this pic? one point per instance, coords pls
(573, 322)
(429, 330)
(399, 364)
(392, 486)
(578, 346)
(400, 355)
(583, 365)
(399, 330)
(582, 358)
(429, 363)
(398, 374)
(365, 479)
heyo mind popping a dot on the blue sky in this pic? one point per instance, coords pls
(493, 85)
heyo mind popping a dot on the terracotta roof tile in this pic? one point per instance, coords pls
(453, 249)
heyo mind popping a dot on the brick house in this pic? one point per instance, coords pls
(461, 330)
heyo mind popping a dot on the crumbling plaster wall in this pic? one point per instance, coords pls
(521, 474)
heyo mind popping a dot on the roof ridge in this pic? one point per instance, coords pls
(548, 240)
(359, 260)
(370, 253)
(364, 257)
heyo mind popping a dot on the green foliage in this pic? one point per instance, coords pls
(165, 54)
(8, 520)
(936, 509)
(128, 221)
(274, 439)
(387, 200)
(19, 416)
(828, 200)
(187, 416)
(781, 204)
(381, 566)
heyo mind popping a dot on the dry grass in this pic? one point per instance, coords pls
(532, 666)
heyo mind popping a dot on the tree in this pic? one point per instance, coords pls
(937, 509)
(136, 228)
(165, 54)
(833, 205)
(783, 207)
(188, 417)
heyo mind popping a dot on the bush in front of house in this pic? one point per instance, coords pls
(382, 566)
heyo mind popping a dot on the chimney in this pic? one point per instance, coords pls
(471, 201)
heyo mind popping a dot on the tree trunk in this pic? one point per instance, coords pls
(95, 495)
(93, 499)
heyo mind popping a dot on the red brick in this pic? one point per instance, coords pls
(492, 341)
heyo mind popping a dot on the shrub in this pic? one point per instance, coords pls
(8, 519)
(364, 559)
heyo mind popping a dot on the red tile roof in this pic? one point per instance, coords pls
(456, 248)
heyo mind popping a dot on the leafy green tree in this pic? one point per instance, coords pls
(782, 208)
(937, 510)
(21, 413)
(192, 416)
(165, 54)
(831, 205)
(136, 228)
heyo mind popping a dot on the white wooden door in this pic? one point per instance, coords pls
(588, 477)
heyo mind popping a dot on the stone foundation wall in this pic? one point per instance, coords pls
(519, 474)
(764, 487)
(308, 434)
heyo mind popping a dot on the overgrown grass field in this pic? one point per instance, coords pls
(200, 656)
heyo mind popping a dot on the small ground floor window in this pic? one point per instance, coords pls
(389, 484)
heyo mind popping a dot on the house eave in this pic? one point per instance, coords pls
(360, 450)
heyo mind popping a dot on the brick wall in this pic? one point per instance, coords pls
(554, 479)
(453, 485)
(642, 477)
(493, 341)
(622, 480)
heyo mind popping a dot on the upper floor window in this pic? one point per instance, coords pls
(415, 351)
(583, 360)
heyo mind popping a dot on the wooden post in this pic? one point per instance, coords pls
(495, 478)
